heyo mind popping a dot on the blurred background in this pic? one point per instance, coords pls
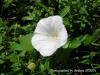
(18, 19)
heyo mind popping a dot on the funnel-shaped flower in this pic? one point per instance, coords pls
(49, 35)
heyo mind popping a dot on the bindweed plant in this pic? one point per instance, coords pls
(77, 53)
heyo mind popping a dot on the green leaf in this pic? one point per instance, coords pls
(92, 38)
(64, 11)
(0, 39)
(31, 66)
(1, 61)
(27, 18)
(1, 47)
(12, 57)
(31, 16)
(16, 66)
(86, 39)
(25, 43)
(47, 65)
(22, 53)
(42, 5)
(97, 66)
(83, 10)
(14, 46)
(96, 3)
(86, 56)
(51, 72)
(92, 54)
(76, 42)
(7, 3)
(86, 61)
(42, 68)
(67, 22)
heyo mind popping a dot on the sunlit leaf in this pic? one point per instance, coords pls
(92, 54)
(86, 61)
(76, 42)
(47, 65)
(7, 3)
(25, 43)
(83, 10)
(31, 66)
(42, 68)
(1, 61)
(92, 38)
(64, 11)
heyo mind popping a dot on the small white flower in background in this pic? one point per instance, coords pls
(49, 35)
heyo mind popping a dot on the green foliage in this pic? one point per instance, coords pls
(18, 19)
(64, 11)
(92, 38)
(24, 43)
(31, 66)
(7, 3)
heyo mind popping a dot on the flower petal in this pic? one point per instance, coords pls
(57, 23)
(36, 39)
(49, 35)
(43, 27)
(44, 45)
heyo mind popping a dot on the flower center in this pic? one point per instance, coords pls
(53, 35)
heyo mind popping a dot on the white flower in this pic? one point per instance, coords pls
(49, 35)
